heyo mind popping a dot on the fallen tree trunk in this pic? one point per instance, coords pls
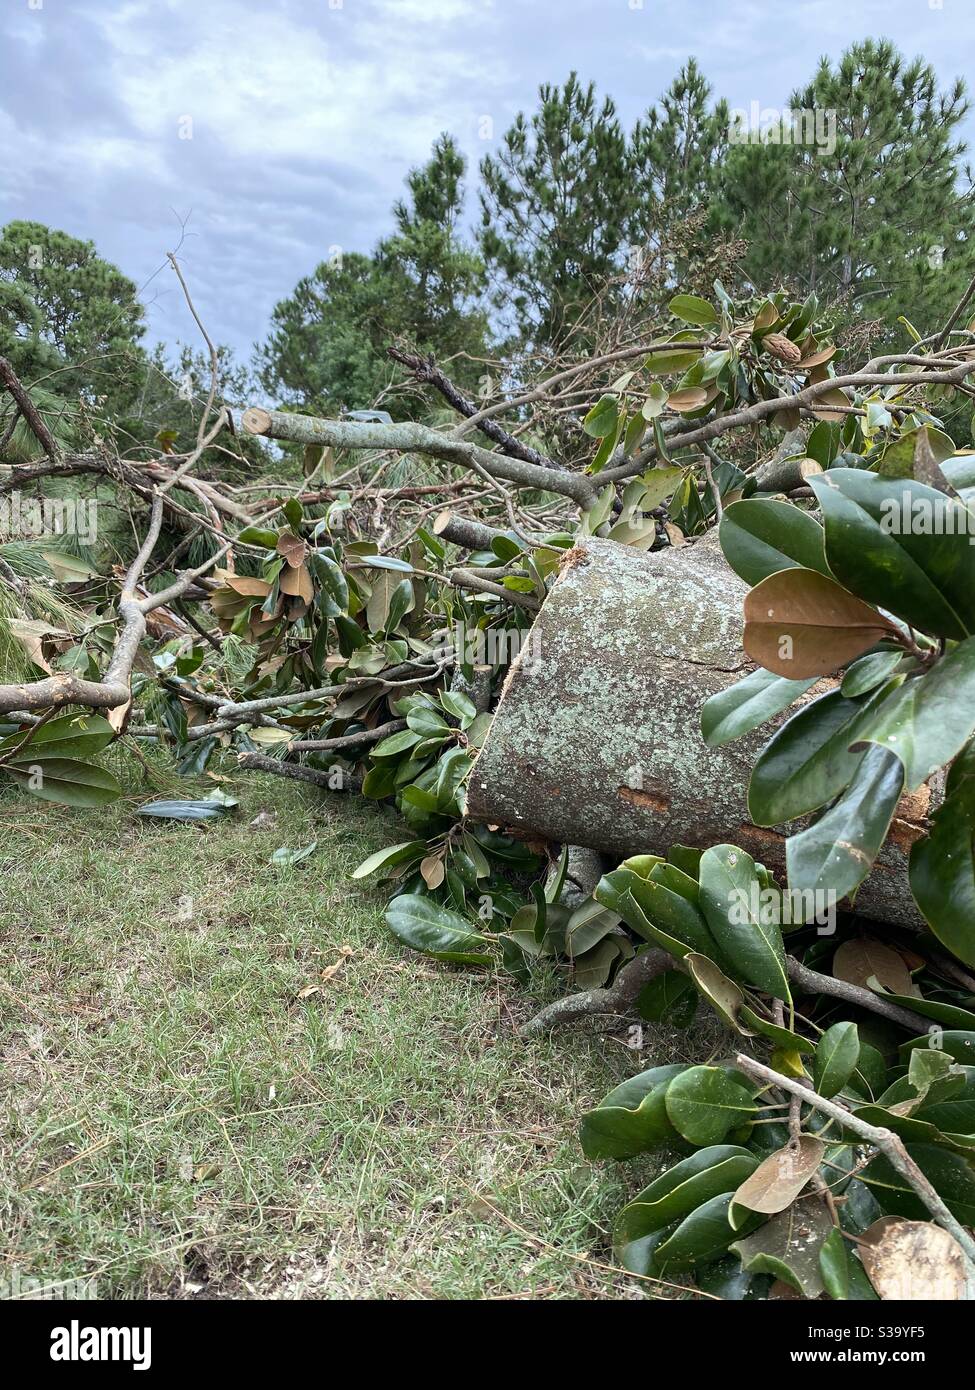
(596, 740)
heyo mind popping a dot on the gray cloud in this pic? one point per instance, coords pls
(279, 128)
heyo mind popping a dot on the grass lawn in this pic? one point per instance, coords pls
(220, 1078)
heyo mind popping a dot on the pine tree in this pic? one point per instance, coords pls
(555, 204)
(65, 309)
(879, 221)
(677, 152)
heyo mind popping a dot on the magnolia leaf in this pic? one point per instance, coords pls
(670, 998)
(692, 309)
(64, 780)
(68, 569)
(837, 1054)
(707, 1173)
(705, 1103)
(602, 419)
(801, 623)
(760, 537)
(391, 856)
(951, 1174)
(293, 549)
(788, 1247)
(436, 931)
(942, 866)
(659, 485)
(778, 1180)
(928, 718)
(286, 858)
(782, 1037)
(687, 399)
(69, 736)
(722, 993)
(834, 1265)
(835, 854)
(632, 1118)
(807, 763)
(916, 1260)
(864, 960)
(731, 900)
(747, 704)
(703, 1234)
(880, 543)
(869, 672)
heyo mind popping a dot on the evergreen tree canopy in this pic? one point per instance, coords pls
(62, 306)
(555, 203)
(880, 219)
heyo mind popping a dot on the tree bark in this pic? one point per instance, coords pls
(596, 740)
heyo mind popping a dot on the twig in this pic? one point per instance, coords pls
(889, 1144)
(344, 741)
(467, 579)
(29, 411)
(338, 781)
(813, 983)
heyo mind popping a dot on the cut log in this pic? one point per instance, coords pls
(596, 740)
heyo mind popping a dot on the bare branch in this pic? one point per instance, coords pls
(408, 437)
(889, 1144)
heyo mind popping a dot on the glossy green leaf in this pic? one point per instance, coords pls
(708, 1173)
(834, 1265)
(731, 900)
(837, 1054)
(951, 1174)
(632, 1118)
(927, 719)
(942, 866)
(424, 925)
(259, 535)
(602, 420)
(760, 536)
(959, 1043)
(704, 1104)
(835, 854)
(80, 736)
(950, 1015)
(902, 545)
(670, 998)
(748, 704)
(807, 762)
(391, 856)
(459, 706)
(333, 590)
(782, 1037)
(656, 913)
(870, 672)
(703, 1234)
(692, 309)
(394, 744)
(65, 781)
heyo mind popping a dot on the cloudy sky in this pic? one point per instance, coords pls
(277, 129)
